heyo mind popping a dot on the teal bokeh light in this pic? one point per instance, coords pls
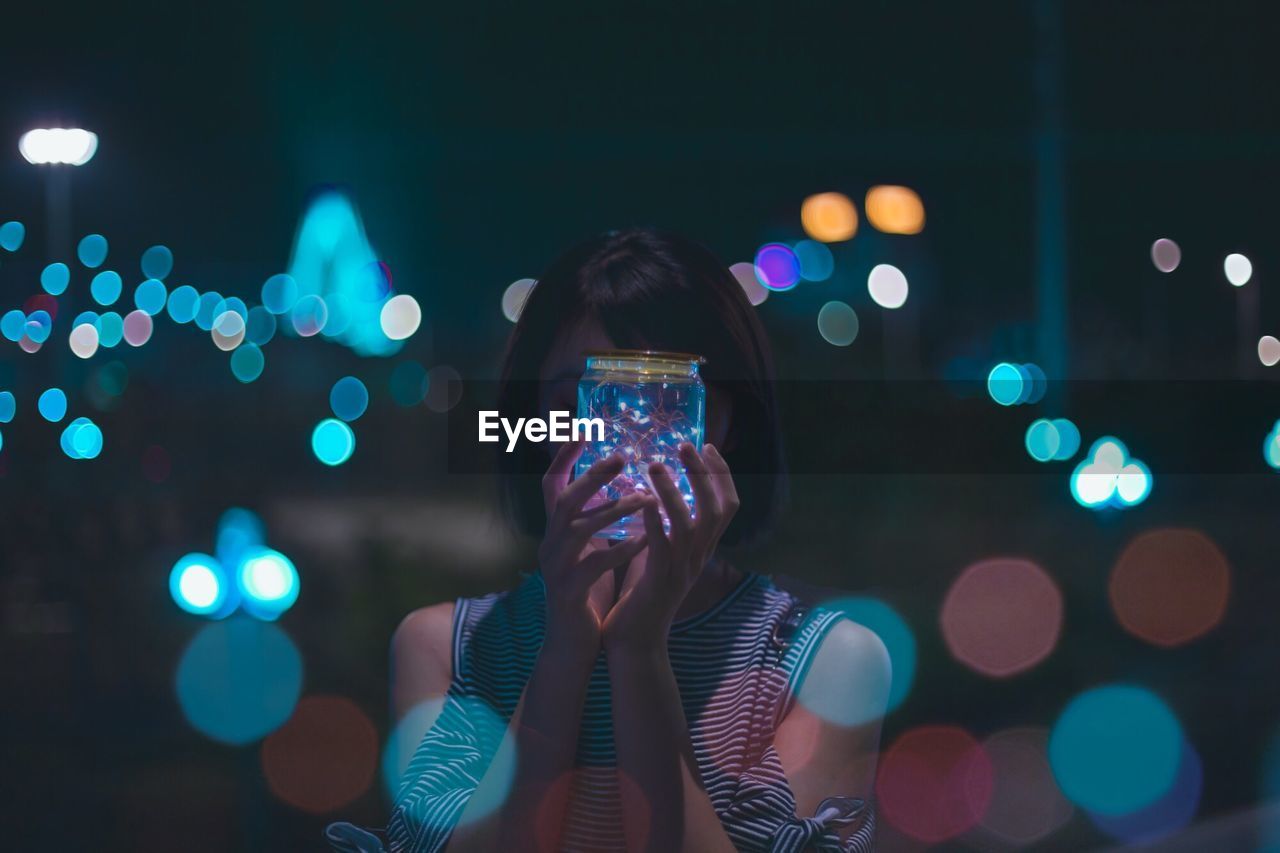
(349, 398)
(198, 584)
(105, 287)
(247, 362)
(259, 326)
(1271, 447)
(268, 583)
(279, 293)
(157, 262)
(1006, 384)
(210, 307)
(150, 296)
(1068, 439)
(333, 442)
(12, 324)
(1115, 749)
(54, 278)
(8, 406)
(184, 301)
(12, 234)
(81, 439)
(239, 680)
(816, 262)
(893, 631)
(52, 405)
(110, 329)
(92, 250)
(1042, 440)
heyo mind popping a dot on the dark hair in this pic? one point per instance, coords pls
(652, 290)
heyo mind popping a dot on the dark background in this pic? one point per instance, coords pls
(479, 139)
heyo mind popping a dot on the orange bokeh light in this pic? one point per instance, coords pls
(895, 210)
(829, 217)
(1002, 616)
(1170, 586)
(324, 757)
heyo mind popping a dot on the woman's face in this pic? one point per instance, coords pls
(563, 367)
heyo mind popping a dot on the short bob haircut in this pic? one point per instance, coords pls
(651, 290)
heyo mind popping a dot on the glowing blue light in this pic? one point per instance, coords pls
(1271, 447)
(1108, 477)
(268, 583)
(198, 584)
(81, 439)
(8, 406)
(150, 296)
(777, 267)
(12, 324)
(408, 383)
(110, 329)
(279, 293)
(893, 631)
(1, 441)
(1068, 439)
(816, 262)
(1115, 749)
(157, 262)
(55, 278)
(1006, 384)
(349, 398)
(247, 362)
(90, 317)
(333, 442)
(1043, 440)
(52, 405)
(239, 531)
(309, 315)
(105, 287)
(39, 326)
(183, 303)
(92, 250)
(12, 234)
(260, 326)
(1165, 815)
(239, 680)
(209, 309)
(236, 304)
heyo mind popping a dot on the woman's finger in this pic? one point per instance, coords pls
(722, 479)
(570, 500)
(706, 501)
(600, 561)
(593, 520)
(557, 476)
(653, 529)
(672, 501)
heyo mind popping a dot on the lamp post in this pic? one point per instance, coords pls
(57, 147)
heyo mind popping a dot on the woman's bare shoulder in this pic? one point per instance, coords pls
(422, 655)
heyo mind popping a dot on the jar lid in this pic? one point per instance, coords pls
(647, 355)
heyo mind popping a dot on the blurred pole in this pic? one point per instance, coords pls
(1247, 328)
(57, 203)
(1050, 212)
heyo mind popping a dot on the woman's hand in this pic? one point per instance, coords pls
(574, 565)
(653, 591)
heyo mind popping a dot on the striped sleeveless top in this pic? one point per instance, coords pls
(738, 667)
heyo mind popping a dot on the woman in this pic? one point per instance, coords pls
(642, 694)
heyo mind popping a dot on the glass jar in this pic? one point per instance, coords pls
(650, 402)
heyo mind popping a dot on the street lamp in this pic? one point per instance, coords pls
(72, 146)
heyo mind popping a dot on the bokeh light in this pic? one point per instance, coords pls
(83, 340)
(92, 250)
(887, 286)
(260, 326)
(309, 315)
(137, 328)
(39, 326)
(1006, 384)
(13, 324)
(157, 262)
(52, 404)
(239, 680)
(934, 783)
(837, 323)
(348, 398)
(1026, 805)
(247, 363)
(54, 278)
(110, 329)
(105, 287)
(400, 317)
(8, 406)
(198, 585)
(816, 261)
(514, 296)
(1271, 447)
(894, 210)
(280, 293)
(1068, 439)
(324, 757)
(333, 442)
(150, 296)
(209, 308)
(408, 383)
(1002, 616)
(777, 266)
(268, 583)
(745, 274)
(1170, 586)
(81, 439)
(12, 233)
(1168, 813)
(228, 331)
(1166, 254)
(1042, 440)
(1108, 477)
(1268, 350)
(887, 624)
(1115, 749)
(829, 217)
(444, 388)
(184, 302)
(1238, 269)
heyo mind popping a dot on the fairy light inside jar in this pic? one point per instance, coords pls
(651, 403)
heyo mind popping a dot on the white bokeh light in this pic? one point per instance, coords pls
(1238, 269)
(400, 317)
(1269, 350)
(58, 145)
(887, 286)
(84, 340)
(1166, 254)
(514, 296)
